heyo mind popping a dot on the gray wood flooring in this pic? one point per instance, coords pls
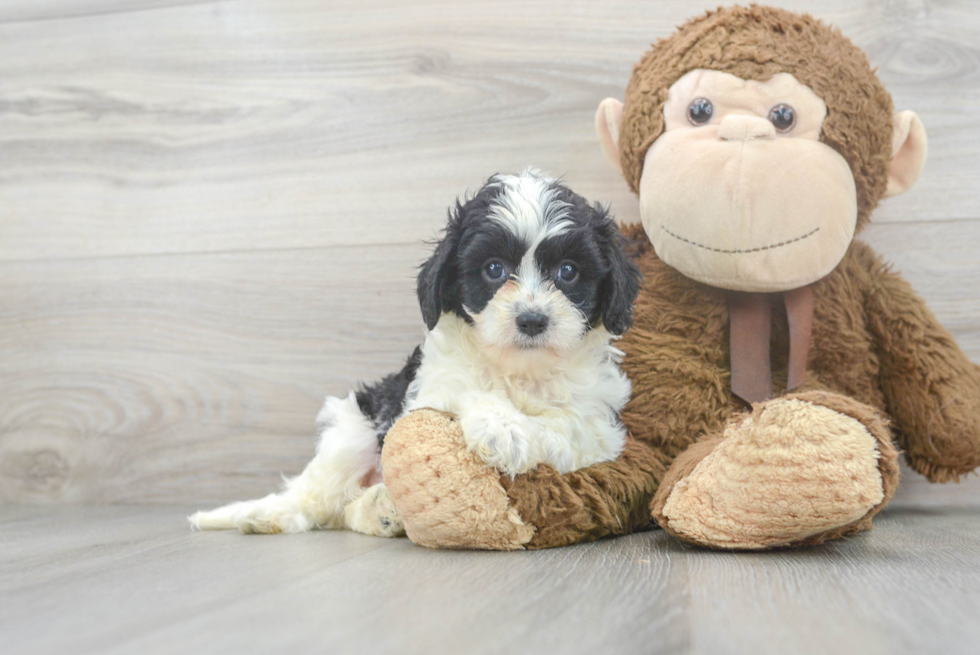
(118, 579)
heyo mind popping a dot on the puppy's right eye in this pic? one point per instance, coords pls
(494, 271)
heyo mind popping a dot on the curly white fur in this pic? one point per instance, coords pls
(519, 407)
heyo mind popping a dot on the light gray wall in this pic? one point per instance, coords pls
(211, 212)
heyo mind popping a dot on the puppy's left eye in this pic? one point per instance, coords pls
(567, 272)
(494, 271)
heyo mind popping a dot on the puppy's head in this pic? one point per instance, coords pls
(530, 264)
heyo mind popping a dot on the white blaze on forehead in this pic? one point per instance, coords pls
(528, 207)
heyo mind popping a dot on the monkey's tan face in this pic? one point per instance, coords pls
(738, 192)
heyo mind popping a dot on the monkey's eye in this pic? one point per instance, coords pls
(700, 111)
(782, 117)
(494, 271)
(567, 272)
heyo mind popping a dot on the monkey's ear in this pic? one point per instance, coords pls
(909, 148)
(608, 118)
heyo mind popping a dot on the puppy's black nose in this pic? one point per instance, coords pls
(532, 323)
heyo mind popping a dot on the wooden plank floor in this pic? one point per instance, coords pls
(125, 579)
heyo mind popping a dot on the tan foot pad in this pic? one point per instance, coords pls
(792, 470)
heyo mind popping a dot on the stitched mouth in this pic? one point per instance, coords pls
(742, 252)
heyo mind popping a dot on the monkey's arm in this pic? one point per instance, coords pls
(932, 389)
(591, 503)
(449, 498)
(680, 394)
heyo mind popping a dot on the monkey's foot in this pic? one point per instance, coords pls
(797, 470)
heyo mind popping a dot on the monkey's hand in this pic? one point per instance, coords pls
(932, 389)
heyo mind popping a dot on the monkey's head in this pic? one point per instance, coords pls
(758, 141)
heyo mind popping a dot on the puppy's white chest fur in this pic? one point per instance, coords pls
(523, 407)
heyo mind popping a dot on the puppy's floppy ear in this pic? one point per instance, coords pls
(622, 283)
(437, 277)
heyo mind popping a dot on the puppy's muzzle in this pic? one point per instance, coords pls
(532, 323)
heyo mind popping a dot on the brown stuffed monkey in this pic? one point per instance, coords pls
(774, 359)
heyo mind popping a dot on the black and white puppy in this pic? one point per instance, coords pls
(522, 298)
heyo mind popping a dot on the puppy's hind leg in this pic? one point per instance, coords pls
(374, 513)
(347, 458)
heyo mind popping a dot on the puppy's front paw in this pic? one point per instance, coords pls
(374, 513)
(499, 438)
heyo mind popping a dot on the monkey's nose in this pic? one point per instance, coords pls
(735, 127)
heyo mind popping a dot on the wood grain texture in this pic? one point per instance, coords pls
(211, 211)
(151, 378)
(295, 123)
(107, 580)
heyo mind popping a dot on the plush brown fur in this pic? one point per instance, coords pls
(874, 341)
(878, 355)
(591, 503)
(877, 351)
(756, 43)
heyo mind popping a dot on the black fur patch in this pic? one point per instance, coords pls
(382, 401)
(491, 241)
(438, 281)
